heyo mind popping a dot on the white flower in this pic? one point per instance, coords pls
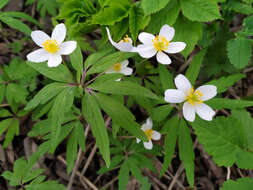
(150, 133)
(193, 99)
(124, 45)
(51, 47)
(121, 68)
(159, 44)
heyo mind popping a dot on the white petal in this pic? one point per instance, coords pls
(146, 38)
(124, 63)
(37, 56)
(138, 140)
(67, 48)
(39, 37)
(167, 32)
(146, 51)
(148, 145)
(145, 127)
(174, 96)
(163, 58)
(134, 50)
(156, 136)
(208, 91)
(149, 122)
(182, 83)
(205, 112)
(175, 47)
(59, 33)
(54, 60)
(189, 112)
(126, 71)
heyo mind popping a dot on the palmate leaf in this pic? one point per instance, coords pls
(45, 6)
(225, 139)
(239, 184)
(152, 6)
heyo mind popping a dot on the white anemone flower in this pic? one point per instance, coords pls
(51, 47)
(121, 67)
(193, 99)
(157, 45)
(150, 133)
(124, 45)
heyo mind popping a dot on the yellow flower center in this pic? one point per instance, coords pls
(117, 67)
(149, 133)
(126, 39)
(193, 97)
(51, 46)
(160, 43)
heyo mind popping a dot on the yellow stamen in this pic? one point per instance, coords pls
(126, 39)
(193, 97)
(117, 67)
(51, 46)
(160, 43)
(149, 133)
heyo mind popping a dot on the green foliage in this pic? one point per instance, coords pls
(152, 6)
(241, 183)
(223, 103)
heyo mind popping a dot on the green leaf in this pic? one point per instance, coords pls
(16, 93)
(225, 140)
(224, 103)
(166, 77)
(188, 32)
(120, 115)
(241, 183)
(167, 15)
(161, 112)
(5, 124)
(186, 152)
(172, 127)
(44, 95)
(239, 52)
(3, 3)
(5, 113)
(60, 73)
(45, 6)
(194, 68)
(152, 6)
(80, 135)
(76, 59)
(16, 24)
(239, 7)
(123, 88)
(248, 25)
(48, 185)
(94, 117)
(200, 10)
(116, 160)
(2, 92)
(224, 82)
(12, 131)
(123, 176)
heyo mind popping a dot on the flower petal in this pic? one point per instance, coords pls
(174, 96)
(145, 127)
(182, 83)
(156, 135)
(126, 71)
(146, 38)
(208, 91)
(205, 112)
(59, 33)
(37, 56)
(54, 60)
(148, 145)
(39, 37)
(163, 58)
(189, 112)
(149, 123)
(138, 140)
(167, 32)
(67, 48)
(124, 63)
(146, 51)
(175, 47)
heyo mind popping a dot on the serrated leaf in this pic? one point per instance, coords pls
(194, 68)
(168, 15)
(188, 32)
(76, 59)
(248, 25)
(60, 73)
(123, 88)
(93, 116)
(224, 82)
(123, 176)
(161, 112)
(224, 103)
(200, 10)
(48, 185)
(225, 140)
(12, 131)
(239, 52)
(5, 113)
(45, 6)
(4, 124)
(80, 135)
(166, 77)
(240, 7)
(239, 184)
(3, 3)
(120, 115)
(186, 152)
(152, 6)
(16, 93)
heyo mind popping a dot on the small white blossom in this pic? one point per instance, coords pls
(121, 67)
(193, 99)
(124, 45)
(51, 47)
(157, 45)
(150, 133)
